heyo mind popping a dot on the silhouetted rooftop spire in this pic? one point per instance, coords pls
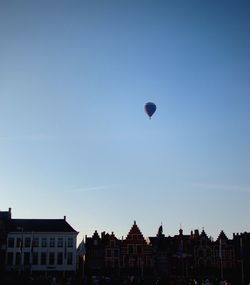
(160, 231)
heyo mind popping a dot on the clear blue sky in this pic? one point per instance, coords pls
(74, 138)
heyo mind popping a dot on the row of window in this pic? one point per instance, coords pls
(136, 261)
(112, 253)
(112, 263)
(133, 249)
(208, 252)
(39, 242)
(42, 258)
(135, 237)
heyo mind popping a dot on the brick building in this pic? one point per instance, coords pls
(136, 254)
(108, 256)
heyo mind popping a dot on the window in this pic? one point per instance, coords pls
(208, 252)
(59, 258)
(51, 258)
(52, 242)
(70, 258)
(70, 242)
(10, 258)
(130, 249)
(18, 258)
(44, 242)
(139, 249)
(200, 253)
(35, 258)
(108, 263)
(116, 253)
(60, 242)
(26, 258)
(43, 258)
(108, 253)
(116, 263)
(18, 242)
(35, 242)
(11, 242)
(27, 242)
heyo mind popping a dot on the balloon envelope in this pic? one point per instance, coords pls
(150, 108)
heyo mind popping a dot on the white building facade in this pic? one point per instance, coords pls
(41, 246)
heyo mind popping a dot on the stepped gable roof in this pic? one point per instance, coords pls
(135, 231)
(94, 240)
(95, 235)
(112, 236)
(40, 225)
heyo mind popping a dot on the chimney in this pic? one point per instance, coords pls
(64, 217)
(10, 213)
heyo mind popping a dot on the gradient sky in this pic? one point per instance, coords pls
(74, 138)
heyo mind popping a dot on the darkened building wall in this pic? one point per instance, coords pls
(112, 255)
(241, 244)
(203, 254)
(94, 259)
(178, 257)
(160, 253)
(5, 217)
(181, 260)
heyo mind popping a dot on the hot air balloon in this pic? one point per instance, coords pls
(150, 108)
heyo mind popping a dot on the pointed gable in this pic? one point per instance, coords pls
(203, 235)
(222, 236)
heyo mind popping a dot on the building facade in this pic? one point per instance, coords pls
(5, 218)
(108, 256)
(175, 258)
(41, 246)
(136, 254)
